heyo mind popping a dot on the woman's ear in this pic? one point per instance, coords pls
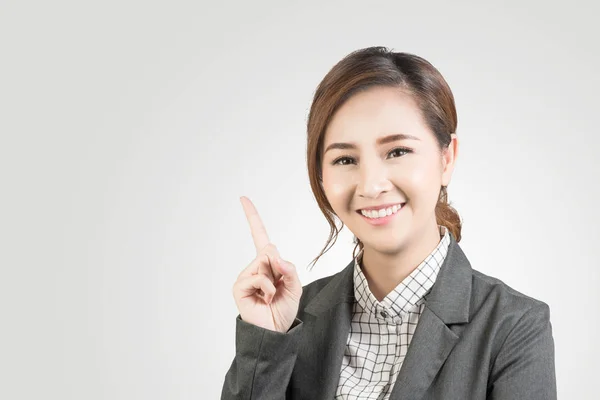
(449, 155)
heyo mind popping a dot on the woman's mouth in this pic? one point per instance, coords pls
(381, 217)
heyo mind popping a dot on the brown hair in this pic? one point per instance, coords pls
(364, 69)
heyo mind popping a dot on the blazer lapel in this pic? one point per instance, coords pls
(332, 307)
(447, 303)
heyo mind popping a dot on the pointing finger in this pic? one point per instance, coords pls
(257, 228)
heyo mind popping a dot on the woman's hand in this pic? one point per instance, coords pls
(267, 292)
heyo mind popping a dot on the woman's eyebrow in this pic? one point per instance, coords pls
(380, 141)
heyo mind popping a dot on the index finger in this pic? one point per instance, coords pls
(259, 233)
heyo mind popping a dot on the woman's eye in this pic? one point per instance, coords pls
(338, 161)
(398, 150)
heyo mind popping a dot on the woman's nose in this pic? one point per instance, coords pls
(373, 180)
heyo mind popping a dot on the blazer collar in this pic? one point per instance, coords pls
(450, 296)
(340, 289)
(448, 299)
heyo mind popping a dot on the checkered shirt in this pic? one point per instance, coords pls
(381, 332)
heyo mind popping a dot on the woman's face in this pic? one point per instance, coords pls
(362, 169)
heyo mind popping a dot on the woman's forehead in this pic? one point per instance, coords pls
(369, 116)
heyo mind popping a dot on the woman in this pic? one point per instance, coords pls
(408, 318)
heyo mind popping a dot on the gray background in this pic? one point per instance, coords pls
(130, 129)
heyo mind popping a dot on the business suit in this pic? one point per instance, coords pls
(476, 339)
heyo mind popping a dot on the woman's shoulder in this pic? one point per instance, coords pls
(311, 289)
(338, 285)
(493, 294)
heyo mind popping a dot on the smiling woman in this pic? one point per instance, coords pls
(400, 103)
(379, 172)
(408, 317)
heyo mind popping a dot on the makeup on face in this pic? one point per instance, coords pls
(379, 154)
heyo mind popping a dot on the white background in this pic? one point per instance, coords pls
(129, 130)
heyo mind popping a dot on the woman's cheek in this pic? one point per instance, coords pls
(335, 191)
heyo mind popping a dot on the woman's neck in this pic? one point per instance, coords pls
(386, 271)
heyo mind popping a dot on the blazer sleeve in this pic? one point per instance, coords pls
(524, 367)
(263, 362)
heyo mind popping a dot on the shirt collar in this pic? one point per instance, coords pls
(409, 294)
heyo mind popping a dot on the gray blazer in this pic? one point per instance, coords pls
(477, 339)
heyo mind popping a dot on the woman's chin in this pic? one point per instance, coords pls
(388, 247)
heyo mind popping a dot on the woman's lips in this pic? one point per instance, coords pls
(383, 220)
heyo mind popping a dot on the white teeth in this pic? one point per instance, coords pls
(384, 212)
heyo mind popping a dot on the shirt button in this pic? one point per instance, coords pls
(383, 314)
